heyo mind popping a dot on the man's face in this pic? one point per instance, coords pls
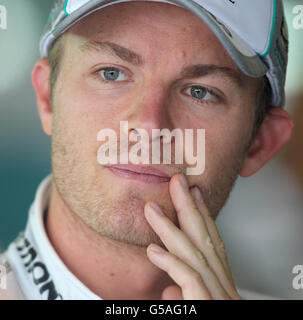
(151, 87)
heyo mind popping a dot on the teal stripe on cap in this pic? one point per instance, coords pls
(65, 5)
(272, 32)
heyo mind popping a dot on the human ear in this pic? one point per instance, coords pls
(40, 81)
(273, 133)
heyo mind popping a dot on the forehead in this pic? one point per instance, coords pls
(136, 23)
(164, 36)
(150, 13)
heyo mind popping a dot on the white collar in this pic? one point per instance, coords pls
(40, 272)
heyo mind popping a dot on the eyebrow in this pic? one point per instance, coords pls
(194, 71)
(123, 53)
(202, 70)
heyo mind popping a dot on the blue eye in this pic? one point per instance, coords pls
(200, 93)
(113, 74)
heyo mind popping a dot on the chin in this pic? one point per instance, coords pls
(124, 220)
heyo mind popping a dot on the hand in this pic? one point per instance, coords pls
(196, 258)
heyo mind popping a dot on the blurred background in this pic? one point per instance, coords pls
(262, 223)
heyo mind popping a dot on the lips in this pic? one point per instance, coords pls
(142, 173)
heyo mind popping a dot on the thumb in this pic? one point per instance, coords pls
(172, 292)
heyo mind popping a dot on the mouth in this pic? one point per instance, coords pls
(140, 173)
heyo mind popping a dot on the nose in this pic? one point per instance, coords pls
(150, 110)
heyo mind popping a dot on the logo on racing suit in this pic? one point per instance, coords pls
(38, 269)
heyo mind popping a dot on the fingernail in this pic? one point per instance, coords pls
(156, 248)
(183, 181)
(156, 208)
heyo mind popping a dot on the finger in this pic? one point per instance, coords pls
(179, 244)
(172, 292)
(189, 280)
(212, 230)
(192, 222)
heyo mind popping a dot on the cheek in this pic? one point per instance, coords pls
(81, 115)
(225, 146)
